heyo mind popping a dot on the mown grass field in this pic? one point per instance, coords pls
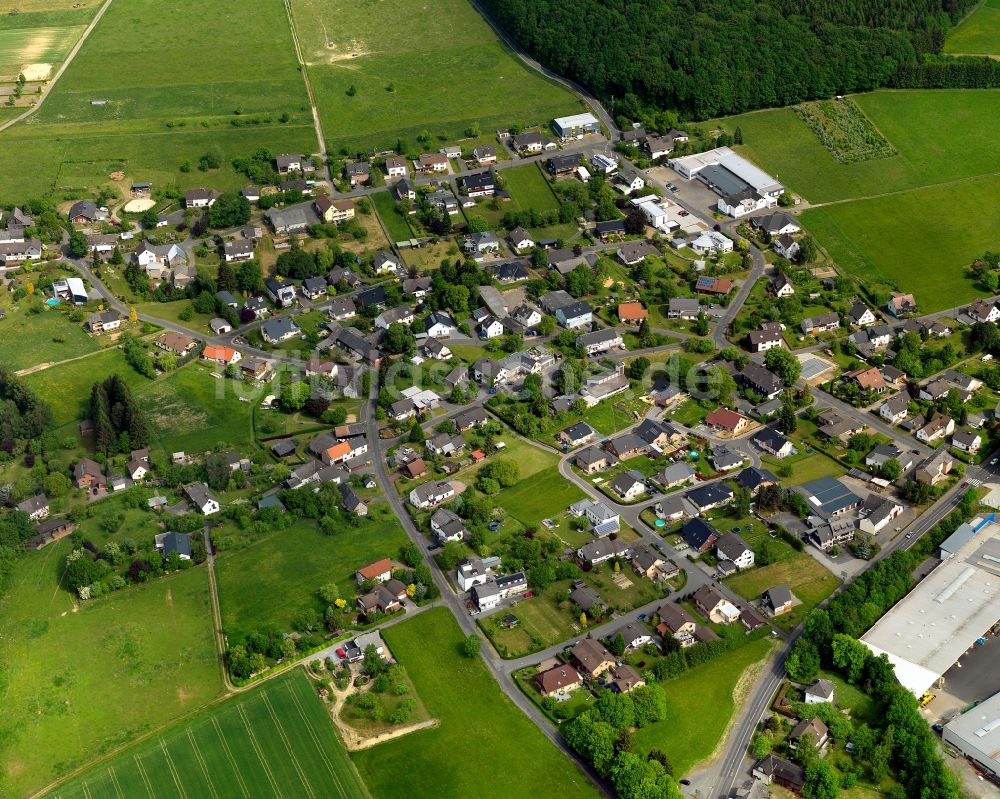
(276, 740)
(272, 580)
(191, 411)
(395, 223)
(699, 706)
(484, 746)
(809, 581)
(415, 67)
(921, 241)
(528, 188)
(186, 74)
(978, 33)
(46, 337)
(918, 218)
(77, 683)
(546, 493)
(66, 388)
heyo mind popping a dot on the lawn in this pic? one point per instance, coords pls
(171, 312)
(542, 621)
(269, 582)
(77, 683)
(66, 388)
(530, 503)
(528, 188)
(395, 222)
(274, 740)
(700, 704)
(805, 467)
(166, 103)
(978, 33)
(441, 73)
(191, 411)
(479, 725)
(46, 337)
(809, 581)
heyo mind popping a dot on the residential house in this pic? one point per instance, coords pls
(635, 635)
(967, 441)
(814, 325)
(599, 341)
(781, 286)
(901, 305)
(447, 526)
(574, 316)
(754, 479)
(278, 329)
(357, 172)
(334, 211)
(683, 308)
(177, 343)
(490, 594)
(290, 219)
(778, 599)
(395, 167)
(632, 313)
(813, 727)
(288, 163)
(380, 599)
(602, 549)
(819, 692)
(724, 459)
(627, 445)
(674, 475)
(103, 322)
(708, 497)
(198, 198)
(786, 247)
(170, 542)
(779, 771)
(480, 184)
(861, 315)
(646, 562)
(281, 292)
(760, 380)
(466, 420)
(717, 286)
(440, 324)
(592, 460)
(592, 657)
(37, 507)
(895, 409)
(202, 498)
(475, 571)
(937, 428)
(431, 162)
(485, 154)
(877, 458)
(631, 253)
(727, 421)
(561, 679)
(378, 572)
(699, 535)
(877, 512)
(576, 435)
(984, 311)
(628, 485)
(85, 211)
(482, 243)
(734, 549)
(221, 354)
(765, 339)
(431, 494)
(711, 604)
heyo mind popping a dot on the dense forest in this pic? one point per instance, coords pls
(22, 413)
(707, 58)
(119, 423)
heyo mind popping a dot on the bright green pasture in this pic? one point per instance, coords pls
(978, 33)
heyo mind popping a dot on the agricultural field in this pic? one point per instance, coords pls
(442, 72)
(72, 676)
(700, 704)
(274, 740)
(978, 33)
(916, 221)
(476, 719)
(225, 95)
(66, 387)
(46, 337)
(269, 582)
(20, 47)
(191, 411)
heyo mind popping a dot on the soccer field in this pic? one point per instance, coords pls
(276, 740)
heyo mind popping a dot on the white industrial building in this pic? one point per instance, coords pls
(976, 734)
(741, 186)
(940, 619)
(576, 126)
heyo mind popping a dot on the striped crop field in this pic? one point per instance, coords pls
(273, 741)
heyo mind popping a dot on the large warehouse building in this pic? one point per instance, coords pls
(976, 734)
(937, 622)
(741, 186)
